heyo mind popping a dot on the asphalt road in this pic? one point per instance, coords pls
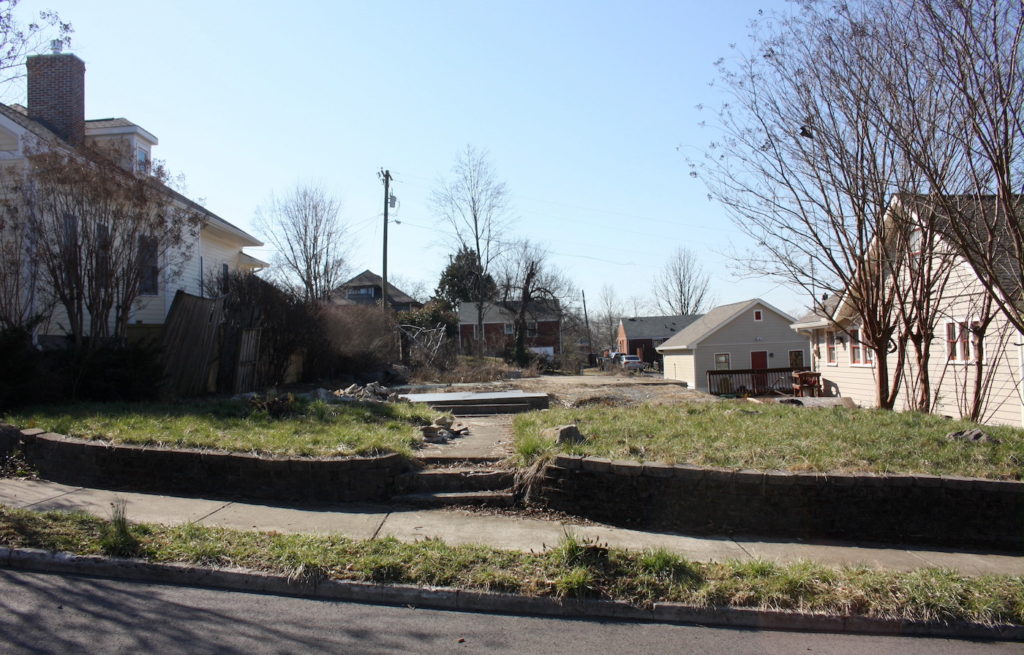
(44, 613)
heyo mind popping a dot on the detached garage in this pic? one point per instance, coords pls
(745, 338)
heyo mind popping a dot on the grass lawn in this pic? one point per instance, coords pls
(741, 434)
(288, 428)
(574, 568)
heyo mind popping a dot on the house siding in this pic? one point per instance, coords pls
(679, 366)
(740, 337)
(951, 382)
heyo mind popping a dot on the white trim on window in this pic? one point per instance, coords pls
(965, 350)
(758, 315)
(727, 361)
(831, 355)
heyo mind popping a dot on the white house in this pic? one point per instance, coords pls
(55, 119)
(748, 335)
(848, 368)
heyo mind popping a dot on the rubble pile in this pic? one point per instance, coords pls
(443, 429)
(372, 392)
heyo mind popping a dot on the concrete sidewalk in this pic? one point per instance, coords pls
(460, 527)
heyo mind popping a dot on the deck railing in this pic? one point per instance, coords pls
(752, 381)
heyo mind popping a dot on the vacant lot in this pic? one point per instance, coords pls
(739, 434)
(283, 427)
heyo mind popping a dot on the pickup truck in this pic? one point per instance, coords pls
(632, 363)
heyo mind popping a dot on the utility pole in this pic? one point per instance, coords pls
(385, 176)
(586, 321)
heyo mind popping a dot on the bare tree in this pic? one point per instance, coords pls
(18, 39)
(807, 165)
(682, 287)
(609, 313)
(306, 229)
(474, 204)
(974, 53)
(101, 236)
(529, 280)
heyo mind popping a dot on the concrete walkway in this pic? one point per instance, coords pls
(460, 527)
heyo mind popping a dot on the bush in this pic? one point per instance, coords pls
(359, 338)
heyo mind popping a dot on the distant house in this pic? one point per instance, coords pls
(543, 327)
(640, 335)
(744, 335)
(54, 121)
(365, 289)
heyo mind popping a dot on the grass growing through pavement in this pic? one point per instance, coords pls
(572, 568)
(777, 437)
(301, 428)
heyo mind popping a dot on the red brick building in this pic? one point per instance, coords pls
(543, 328)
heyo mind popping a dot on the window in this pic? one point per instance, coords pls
(141, 160)
(796, 359)
(958, 341)
(149, 269)
(722, 361)
(830, 347)
(855, 347)
(758, 316)
(915, 243)
(509, 328)
(531, 329)
(361, 291)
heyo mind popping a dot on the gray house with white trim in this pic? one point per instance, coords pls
(745, 335)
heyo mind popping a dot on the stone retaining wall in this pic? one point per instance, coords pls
(195, 472)
(905, 509)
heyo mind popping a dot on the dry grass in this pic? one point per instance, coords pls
(573, 568)
(777, 437)
(306, 428)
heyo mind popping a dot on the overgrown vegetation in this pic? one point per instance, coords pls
(467, 368)
(112, 372)
(573, 568)
(285, 426)
(776, 437)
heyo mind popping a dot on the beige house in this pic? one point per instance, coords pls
(54, 119)
(748, 335)
(848, 369)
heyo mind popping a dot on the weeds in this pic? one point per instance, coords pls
(776, 437)
(575, 568)
(280, 425)
(117, 539)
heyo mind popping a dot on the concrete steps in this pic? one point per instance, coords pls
(441, 499)
(457, 483)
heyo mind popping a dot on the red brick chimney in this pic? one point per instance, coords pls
(56, 94)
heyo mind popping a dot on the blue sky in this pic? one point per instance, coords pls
(588, 110)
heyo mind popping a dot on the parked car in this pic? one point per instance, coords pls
(632, 363)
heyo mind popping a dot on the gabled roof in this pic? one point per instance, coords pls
(690, 336)
(820, 316)
(18, 115)
(656, 327)
(370, 279)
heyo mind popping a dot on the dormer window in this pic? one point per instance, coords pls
(142, 160)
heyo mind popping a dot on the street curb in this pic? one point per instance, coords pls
(444, 598)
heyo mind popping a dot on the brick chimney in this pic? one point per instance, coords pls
(56, 94)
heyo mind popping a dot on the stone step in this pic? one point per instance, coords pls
(456, 479)
(482, 410)
(457, 461)
(503, 498)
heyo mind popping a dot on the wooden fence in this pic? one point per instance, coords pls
(751, 381)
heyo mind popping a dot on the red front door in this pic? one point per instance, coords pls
(759, 360)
